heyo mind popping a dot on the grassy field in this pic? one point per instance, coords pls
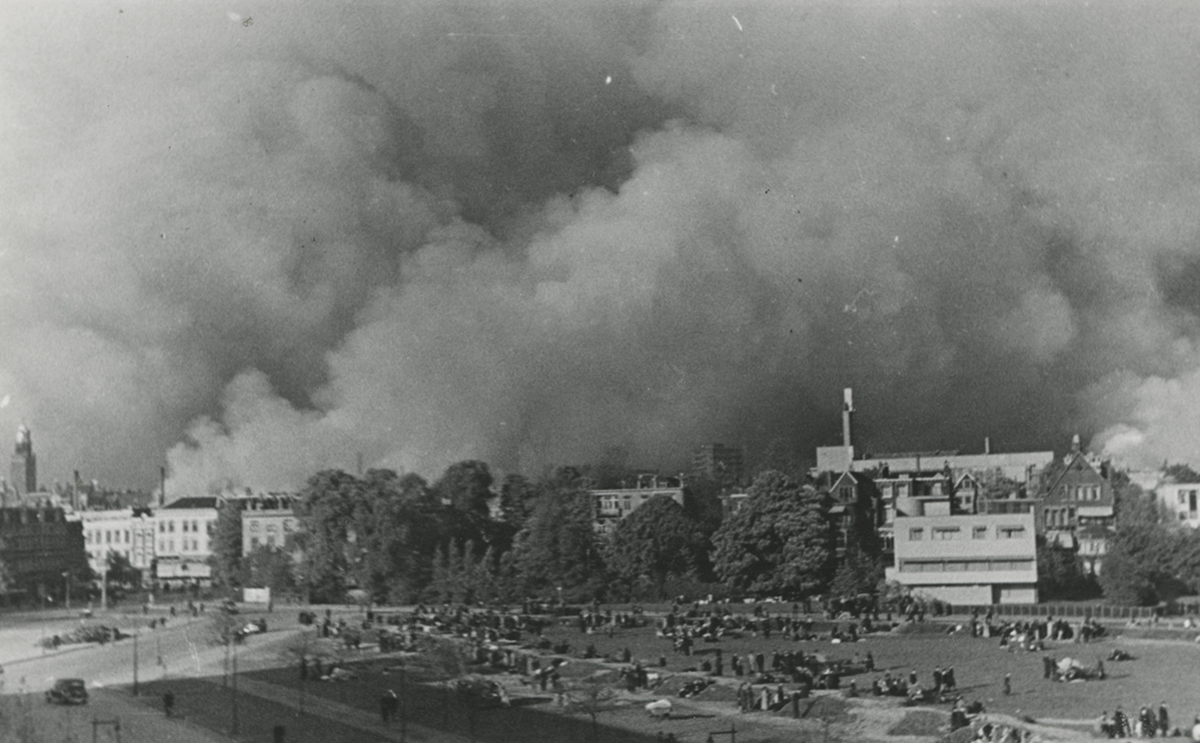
(1161, 671)
(209, 706)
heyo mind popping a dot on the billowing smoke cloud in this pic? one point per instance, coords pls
(260, 243)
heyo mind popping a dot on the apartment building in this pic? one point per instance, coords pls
(268, 519)
(104, 533)
(184, 532)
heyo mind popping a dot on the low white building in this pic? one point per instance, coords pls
(967, 559)
(1181, 499)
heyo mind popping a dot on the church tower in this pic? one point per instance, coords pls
(23, 474)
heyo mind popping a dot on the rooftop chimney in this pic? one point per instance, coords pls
(847, 409)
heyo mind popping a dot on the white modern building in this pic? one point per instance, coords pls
(1181, 499)
(967, 559)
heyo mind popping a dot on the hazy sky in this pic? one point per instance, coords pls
(251, 241)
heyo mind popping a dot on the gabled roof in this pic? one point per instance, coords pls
(1077, 458)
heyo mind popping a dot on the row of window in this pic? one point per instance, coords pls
(168, 546)
(944, 533)
(1083, 492)
(963, 566)
(93, 536)
(185, 526)
(1059, 516)
(271, 528)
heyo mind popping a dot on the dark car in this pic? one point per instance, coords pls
(67, 691)
(481, 692)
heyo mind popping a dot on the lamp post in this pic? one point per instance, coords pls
(136, 632)
(67, 581)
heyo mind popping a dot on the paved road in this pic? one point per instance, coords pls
(182, 649)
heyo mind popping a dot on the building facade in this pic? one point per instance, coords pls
(967, 558)
(183, 536)
(610, 506)
(267, 519)
(1075, 506)
(106, 532)
(38, 548)
(1182, 500)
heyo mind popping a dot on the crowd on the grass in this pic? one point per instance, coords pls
(772, 681)
(1146, 723)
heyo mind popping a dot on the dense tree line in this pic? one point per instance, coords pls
(466, 538)
(398, 538)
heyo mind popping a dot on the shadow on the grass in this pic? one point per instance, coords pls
(208, 705)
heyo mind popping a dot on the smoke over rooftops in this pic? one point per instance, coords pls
(273, 241)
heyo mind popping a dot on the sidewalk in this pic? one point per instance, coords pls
(339, 713)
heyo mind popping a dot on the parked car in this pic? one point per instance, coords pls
(482, 692)
(254, 627)
(67, 691)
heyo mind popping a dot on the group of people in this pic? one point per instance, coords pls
(991, 733)
(713, 626)
(944, 682)
(1145, 724)
(1032, 634)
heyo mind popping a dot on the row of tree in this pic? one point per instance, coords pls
(398, 538)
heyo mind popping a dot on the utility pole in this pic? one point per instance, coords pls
(235, 691)
(135, 662)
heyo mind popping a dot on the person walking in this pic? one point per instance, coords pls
(388, 704)
(1007, 684)
(1164, 720)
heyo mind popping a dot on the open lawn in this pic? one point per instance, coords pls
(208, 705)
(1161, 671)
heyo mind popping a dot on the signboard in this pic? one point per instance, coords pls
(256, 595)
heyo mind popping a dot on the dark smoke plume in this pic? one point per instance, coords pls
(270, 239)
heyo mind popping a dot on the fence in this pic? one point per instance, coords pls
(1098, 611)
